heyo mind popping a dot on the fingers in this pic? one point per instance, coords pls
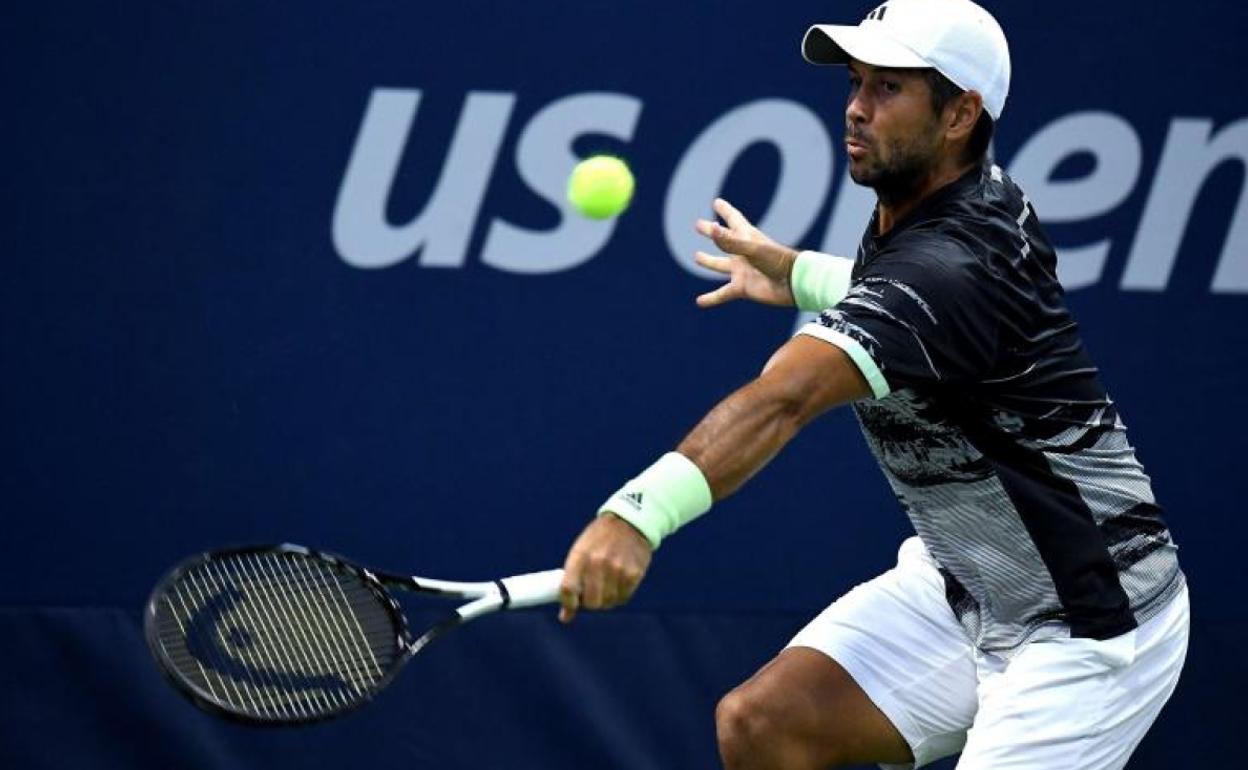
(569, 591)
(727, 212)
(718, 264)
(603, 568)
(727, 240)
(591, 589)
(595, 583)
(594, 589)
(730, 243)
(567, 608)
(607, 582)
(726, 293)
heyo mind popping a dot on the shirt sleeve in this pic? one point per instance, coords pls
(920, 313)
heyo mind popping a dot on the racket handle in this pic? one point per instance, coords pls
(533, 589)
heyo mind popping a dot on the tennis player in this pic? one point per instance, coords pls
(1039, 619)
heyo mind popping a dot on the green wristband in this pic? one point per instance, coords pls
(819, 280)
(663, 498)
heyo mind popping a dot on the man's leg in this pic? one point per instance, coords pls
(804, 711)
(883, 675)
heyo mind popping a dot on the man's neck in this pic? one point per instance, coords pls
(892, 209)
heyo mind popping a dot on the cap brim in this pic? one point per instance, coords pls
(834, 44)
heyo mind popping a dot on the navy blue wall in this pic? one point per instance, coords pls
(214, 328)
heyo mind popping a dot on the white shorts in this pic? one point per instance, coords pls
(1059, 703)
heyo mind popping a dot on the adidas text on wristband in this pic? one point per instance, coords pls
(663, 498)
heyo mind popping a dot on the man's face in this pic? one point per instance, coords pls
(892, 135)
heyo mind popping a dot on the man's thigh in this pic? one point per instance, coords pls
(897, 639)
(802, 710)
(1077, 703)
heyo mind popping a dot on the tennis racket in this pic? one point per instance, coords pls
(283, 635)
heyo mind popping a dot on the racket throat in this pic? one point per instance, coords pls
(446, 624)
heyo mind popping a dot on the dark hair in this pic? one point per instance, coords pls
(943, 89)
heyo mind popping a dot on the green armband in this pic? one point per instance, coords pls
(819, 280)
(663, 498)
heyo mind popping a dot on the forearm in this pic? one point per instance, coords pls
(738, 437)
(741, 435)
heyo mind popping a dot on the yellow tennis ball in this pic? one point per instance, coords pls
(600, 187)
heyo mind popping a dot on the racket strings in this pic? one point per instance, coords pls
(267, 649)
(277, 635)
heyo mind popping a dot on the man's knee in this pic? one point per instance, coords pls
(754, 734)
(743, 727)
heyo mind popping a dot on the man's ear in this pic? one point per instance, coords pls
(961, 115)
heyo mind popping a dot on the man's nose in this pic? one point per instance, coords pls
(857, 111)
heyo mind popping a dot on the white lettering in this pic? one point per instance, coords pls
(361, 232)
(441, 232)
(805, 174)
(1115, 146)
(1190, 155)
(850, 214)
(545, 160)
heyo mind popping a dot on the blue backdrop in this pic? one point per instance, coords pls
(302, 272)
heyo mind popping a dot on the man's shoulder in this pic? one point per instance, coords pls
(985, 199)
(991, 201)
(968, 229)
(999, 191)
(932, 251)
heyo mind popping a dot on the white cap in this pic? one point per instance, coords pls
(957, 38)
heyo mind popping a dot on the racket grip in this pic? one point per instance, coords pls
(533, 589)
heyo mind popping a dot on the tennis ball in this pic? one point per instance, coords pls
(600, 187)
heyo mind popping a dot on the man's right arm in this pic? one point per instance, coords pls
(805, 378)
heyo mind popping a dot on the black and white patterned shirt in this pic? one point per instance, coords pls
(992, 426)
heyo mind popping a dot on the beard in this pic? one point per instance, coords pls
(897, 169)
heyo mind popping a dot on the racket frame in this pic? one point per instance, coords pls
(484, 598)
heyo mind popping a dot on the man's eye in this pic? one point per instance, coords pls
(892, 86)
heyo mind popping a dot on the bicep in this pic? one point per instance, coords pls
(804, 378)
(816, 375)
